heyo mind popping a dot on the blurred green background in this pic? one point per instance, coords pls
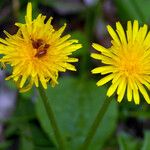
(76, 99)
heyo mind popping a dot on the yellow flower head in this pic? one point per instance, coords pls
(37, 52)
(127, 62)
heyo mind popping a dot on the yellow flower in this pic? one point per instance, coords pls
(37, 52)
(127, 62)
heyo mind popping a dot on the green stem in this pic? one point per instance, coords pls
(51, 117)
(95, 124)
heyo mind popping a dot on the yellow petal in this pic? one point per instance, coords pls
(105, 80)
(121, 33)
(23, 80)
(29, 13)
(129, 31)
(136, 96)
(135, 29)
(121, 94)
(99, 47)
(113, 34)
(129, 91)
(26, 88)
(121, 86)
(144, 92)
(113, 87)
(103, 70)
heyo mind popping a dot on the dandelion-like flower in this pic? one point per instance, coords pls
(37, 52)
(126, 62)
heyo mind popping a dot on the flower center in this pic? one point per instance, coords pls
(130, 66)
(40, 46)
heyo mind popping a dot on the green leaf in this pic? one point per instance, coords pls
(26, 140)
(24, 111)
(33, 138)
(134, 9)
(43, 141)
(76, 104)
(127, 142)
(146, 144)
(65, 7)
(5, 145)
(10, 84)
(82, 40)
(143, 8)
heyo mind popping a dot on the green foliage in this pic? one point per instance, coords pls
(33, 138)
(64, 6)
(134, 9)
(23, 125)
(127, 142)
(83, 40)
(75, 100)
(4, 145)
(146, 144)
(76, 104)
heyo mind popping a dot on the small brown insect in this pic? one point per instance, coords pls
(41, 53)
(46, 46)
(36, 44)
(40, 46)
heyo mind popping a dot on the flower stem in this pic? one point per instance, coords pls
(51, 117)
(95, 124)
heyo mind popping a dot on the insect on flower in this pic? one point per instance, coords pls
(37, 52)
(40, 46)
